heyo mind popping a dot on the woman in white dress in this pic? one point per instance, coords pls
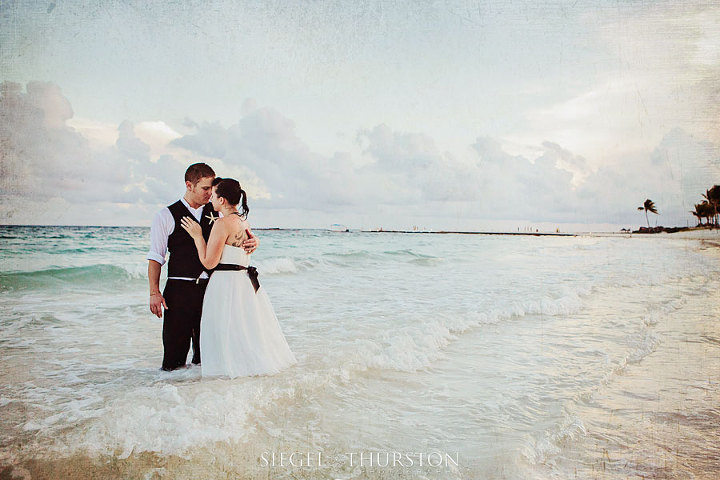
(239, 332)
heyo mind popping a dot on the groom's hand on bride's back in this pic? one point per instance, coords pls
(157, 302)
(251, 244)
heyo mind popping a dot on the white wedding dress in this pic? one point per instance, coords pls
(239, 332)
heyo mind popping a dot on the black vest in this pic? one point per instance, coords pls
(184, 260)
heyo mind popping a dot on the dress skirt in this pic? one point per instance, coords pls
(239, 332)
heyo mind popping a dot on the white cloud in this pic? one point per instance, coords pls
(271, 161)
(602, 124)
(36, 143)
(394, 177)
(44, 157)
(566, 160)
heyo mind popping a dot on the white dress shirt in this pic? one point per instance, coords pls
(162, 226)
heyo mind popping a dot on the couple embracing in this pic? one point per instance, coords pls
(212, 297)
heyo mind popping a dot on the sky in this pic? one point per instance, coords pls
(455, 115)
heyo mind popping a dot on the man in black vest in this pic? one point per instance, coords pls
(187, 278)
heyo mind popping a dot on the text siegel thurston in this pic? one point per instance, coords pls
(361, 459)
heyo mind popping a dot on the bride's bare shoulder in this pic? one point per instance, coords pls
(237, 236)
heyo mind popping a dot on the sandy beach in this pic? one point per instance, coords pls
(662, 414)
(710, 235)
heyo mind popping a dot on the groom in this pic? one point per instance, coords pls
(187, 278)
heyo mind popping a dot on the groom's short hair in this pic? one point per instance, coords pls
(196, 171)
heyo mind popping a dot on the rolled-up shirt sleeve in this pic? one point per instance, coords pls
(162, 226)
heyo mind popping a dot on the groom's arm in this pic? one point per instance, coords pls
(156, 299)
(161, 228)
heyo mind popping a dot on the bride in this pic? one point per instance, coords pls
(239, 332)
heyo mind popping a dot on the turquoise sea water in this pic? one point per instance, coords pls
(502, 356)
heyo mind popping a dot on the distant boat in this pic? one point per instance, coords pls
(336, 227)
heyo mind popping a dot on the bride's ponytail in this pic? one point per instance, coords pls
(244, 210)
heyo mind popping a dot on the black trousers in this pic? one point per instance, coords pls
(181, 323)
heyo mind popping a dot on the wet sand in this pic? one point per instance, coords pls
(660, 418)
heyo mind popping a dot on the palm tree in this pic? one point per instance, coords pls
(696, 213)
(702, 210)
(712, 196)
(648, 205)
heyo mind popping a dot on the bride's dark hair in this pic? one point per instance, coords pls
(230, 190)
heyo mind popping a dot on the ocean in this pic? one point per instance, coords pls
(419, 356)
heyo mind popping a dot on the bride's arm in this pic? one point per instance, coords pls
(209, 254)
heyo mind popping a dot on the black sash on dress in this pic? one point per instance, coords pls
(252, 272)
